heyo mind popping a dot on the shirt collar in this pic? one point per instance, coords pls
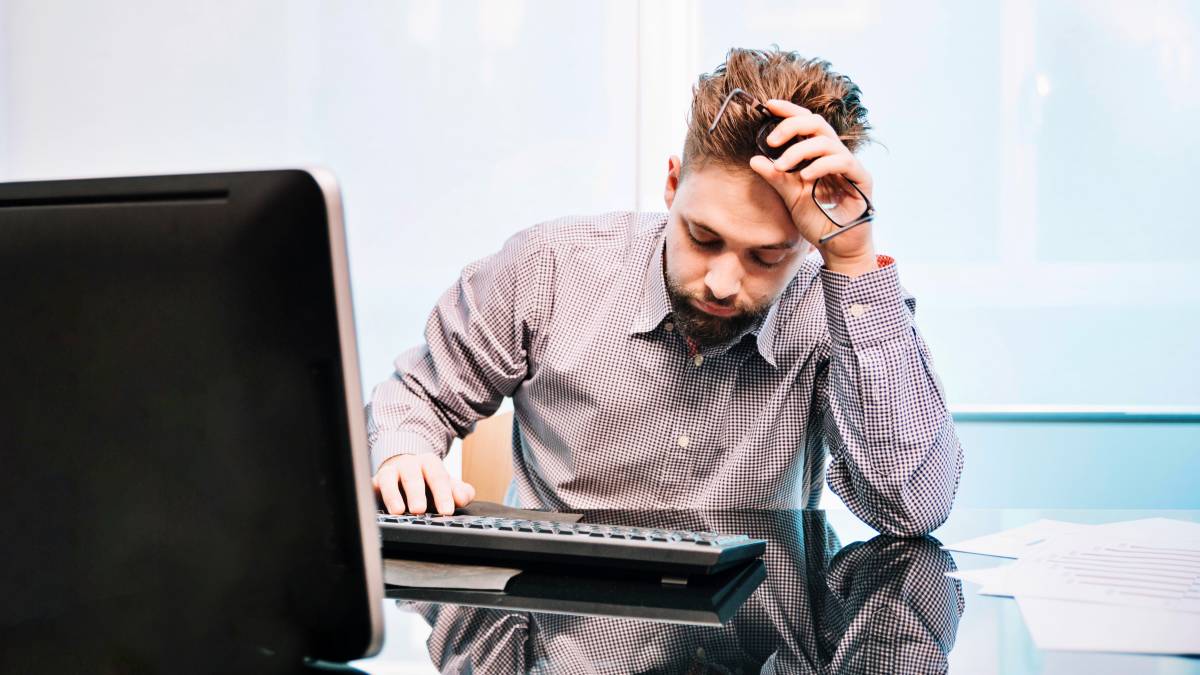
(767, 331)
(655, 305)
(764, 333)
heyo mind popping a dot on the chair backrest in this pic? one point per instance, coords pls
(487, 457)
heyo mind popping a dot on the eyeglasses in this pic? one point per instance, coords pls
(831, 196)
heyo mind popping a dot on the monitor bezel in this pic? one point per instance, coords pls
(355, 415)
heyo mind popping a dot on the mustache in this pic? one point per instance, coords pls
(713, 300)
(680, 301)
(724, 303)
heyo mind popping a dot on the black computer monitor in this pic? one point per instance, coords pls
(184, 468)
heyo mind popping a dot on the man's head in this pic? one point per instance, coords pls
(731, 245)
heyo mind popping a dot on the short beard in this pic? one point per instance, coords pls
(705, 328)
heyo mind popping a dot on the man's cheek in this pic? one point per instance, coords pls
(692, 272)
(691, 280)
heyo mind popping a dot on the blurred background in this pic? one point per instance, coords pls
(1034, 175)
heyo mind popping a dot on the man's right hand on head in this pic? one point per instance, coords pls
(401, 482)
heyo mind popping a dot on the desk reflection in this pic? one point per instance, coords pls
(883, 605)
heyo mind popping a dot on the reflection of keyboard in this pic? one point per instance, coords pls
(542, 544)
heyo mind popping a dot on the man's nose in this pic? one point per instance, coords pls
(724, 278)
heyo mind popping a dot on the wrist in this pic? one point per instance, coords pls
(851, 266)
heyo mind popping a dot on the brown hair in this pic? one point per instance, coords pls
(767, 74)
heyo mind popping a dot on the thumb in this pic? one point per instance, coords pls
(464, 493)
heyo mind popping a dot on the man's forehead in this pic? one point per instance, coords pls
(735, 203)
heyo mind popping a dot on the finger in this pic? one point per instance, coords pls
(387, 479)
(817, 146)
(785, 108)
(806, 124)
(464, 493)
(788, 188)
(439, 484)
(414, 485)
(765, 168)
(842, 164)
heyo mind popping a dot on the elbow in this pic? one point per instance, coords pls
(925, 500)
(910, 503)
(920, 509)
(906, 514)
(911, 524)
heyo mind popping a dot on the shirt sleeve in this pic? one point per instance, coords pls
(903, 610)
(475, 353)
(895, 457)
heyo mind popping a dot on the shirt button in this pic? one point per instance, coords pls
(699, 358)
(857, 310)
(683, 441)
(668, 326)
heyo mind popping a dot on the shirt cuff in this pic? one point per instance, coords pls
(865, 309)
(388, 445)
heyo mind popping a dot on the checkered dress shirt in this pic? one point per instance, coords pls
(881, 606)
(572, 319)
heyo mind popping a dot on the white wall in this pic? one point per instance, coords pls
(1035, 185)
(451, 125)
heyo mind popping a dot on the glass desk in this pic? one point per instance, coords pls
(836, 598)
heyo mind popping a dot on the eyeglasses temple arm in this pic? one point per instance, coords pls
(865, 218)
(747, 98)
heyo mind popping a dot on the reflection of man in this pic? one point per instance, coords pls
(696, 358)
(883, 606)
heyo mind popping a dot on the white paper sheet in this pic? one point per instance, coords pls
(1018, 541)
(1152, 563)
(1067, 625)
(1131, 586)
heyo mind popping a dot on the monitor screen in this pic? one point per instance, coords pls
(184, 456)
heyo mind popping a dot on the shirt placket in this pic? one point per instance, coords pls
(688, 433)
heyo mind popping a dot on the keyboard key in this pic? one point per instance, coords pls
(607, 545)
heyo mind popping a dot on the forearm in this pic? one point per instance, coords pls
(404, 419)
(896, 458)
(438, 391)
(474, 355)
(854, 266)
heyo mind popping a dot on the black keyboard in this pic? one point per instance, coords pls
(542, 544)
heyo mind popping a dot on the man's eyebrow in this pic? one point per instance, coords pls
(704, 227)
(783, 245)
(780, 245)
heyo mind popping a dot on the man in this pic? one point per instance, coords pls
(699, 358)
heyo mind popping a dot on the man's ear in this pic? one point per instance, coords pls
(674, 166)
